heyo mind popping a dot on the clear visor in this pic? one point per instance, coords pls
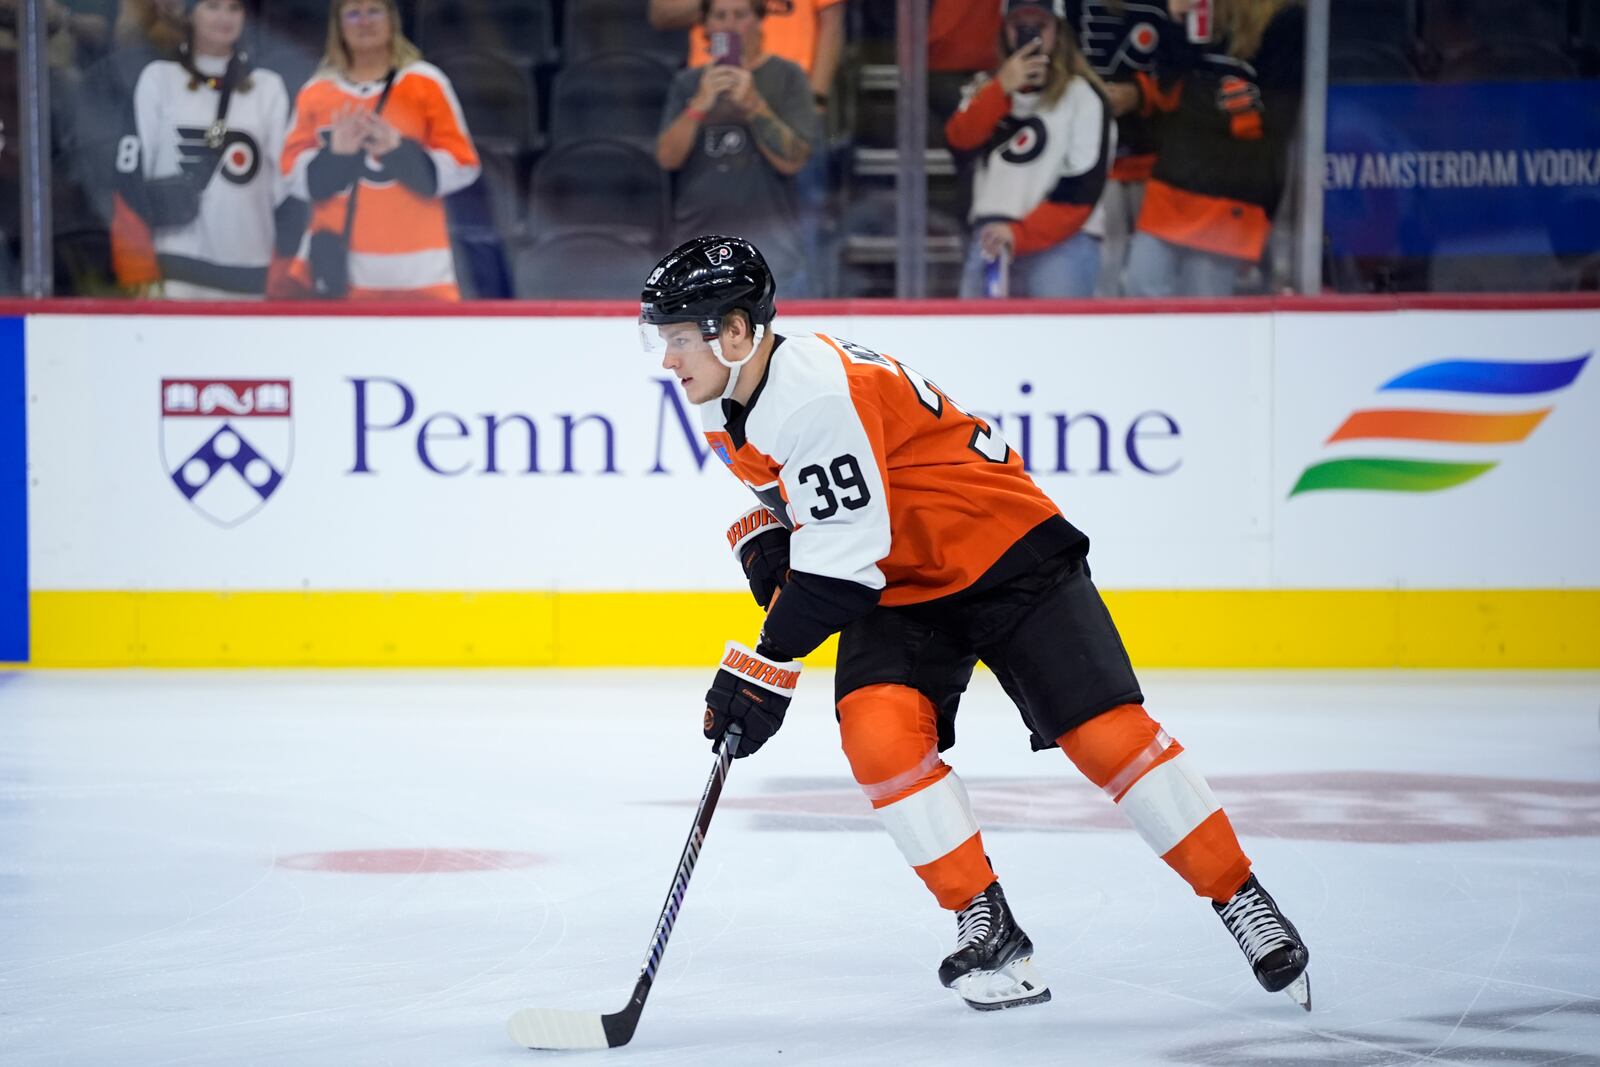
(660, 339)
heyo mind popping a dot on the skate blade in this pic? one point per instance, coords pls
(1015, 985)
(1299, 990)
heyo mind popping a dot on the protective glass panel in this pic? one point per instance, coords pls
(555, 149)
(1461, 146)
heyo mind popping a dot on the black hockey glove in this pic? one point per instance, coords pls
(761, 545)
(753, 691)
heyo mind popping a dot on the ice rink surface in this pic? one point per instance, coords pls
(374, 867)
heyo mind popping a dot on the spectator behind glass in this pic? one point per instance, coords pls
(1042, 132)
(811, 34)
(197, 170)
(738, 133)
(1228, 111)
(807, 32)
(145, 31)
(1121, 39)
(377, 119)
(76, 32)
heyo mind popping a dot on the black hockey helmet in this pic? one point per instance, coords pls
(705, 278)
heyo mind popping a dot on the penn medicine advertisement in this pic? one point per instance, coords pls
(1264, 451)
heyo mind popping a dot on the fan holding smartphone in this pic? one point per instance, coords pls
(1038, 130)
(736, 131)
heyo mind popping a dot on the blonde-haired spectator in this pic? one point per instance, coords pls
(378, 141)
(1226, 118)
(1041, 129)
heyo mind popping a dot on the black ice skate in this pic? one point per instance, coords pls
(992, 966)
(1270, 942)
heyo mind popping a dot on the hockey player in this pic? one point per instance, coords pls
(893, 517)
(194, 216)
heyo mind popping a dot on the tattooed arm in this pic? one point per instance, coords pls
(785, 150)
(775, 137)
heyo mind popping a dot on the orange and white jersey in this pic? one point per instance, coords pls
(883, 479)
(399, 244)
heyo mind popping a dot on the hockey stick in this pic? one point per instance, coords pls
(552, 1028)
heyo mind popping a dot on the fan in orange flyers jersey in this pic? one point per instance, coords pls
(378, 124)
(906, 525)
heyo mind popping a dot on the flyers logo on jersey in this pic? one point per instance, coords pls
(1027, 143)
(239, 158)
(226, 443)
(724, 141)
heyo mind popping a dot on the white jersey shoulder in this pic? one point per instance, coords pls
(832, 476)
(804, 369)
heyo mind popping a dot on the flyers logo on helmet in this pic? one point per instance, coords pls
(719, 254)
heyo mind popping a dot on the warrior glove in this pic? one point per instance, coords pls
(761, 545)
(753, 691)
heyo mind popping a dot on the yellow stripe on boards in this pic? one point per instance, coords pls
(1524, 628)
(1496, 628)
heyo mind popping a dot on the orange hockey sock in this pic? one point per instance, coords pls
(1129, 756)
(890, 736)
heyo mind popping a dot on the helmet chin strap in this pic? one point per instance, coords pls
(735, 368)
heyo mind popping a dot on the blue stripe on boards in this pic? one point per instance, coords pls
(13, 493)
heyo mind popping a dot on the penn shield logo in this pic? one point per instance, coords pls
(1481, 405)
(226, 443)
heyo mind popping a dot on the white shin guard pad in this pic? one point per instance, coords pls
(931, 822)
(1168, 803)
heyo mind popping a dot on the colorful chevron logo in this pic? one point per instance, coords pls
(1462, 377)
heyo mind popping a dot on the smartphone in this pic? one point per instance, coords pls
(727, 48)
(1027, 33)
